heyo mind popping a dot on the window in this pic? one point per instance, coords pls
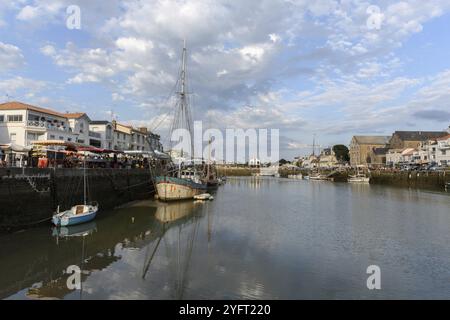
(52, 136)
(33, 117)
(2, 118)
(15, 118)
(61, 138)
(117, 135)
(12, 137)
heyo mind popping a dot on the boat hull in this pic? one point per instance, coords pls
(67, 218)
(170, 188)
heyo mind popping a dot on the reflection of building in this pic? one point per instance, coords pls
(361, 146)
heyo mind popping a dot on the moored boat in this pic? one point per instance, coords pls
(359, 178)
(184, 178)
(174, 188)
(76, 215)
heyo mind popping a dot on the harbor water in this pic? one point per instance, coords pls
(260, 238)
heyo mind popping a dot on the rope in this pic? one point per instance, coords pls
(27, 224)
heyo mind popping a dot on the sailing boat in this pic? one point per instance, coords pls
(79, 213)
(358, 177)
(186, 181)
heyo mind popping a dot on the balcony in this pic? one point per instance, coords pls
(47, 126)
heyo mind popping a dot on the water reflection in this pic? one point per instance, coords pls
(263, 238)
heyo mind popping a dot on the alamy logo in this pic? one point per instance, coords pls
(74, 280)
(375, 18)
(374, 280)
(73, 20)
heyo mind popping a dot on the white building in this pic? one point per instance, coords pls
(443, 151)
(101, 133)
(22, 123)
(254, 162)
(79, 123)
(121, 136)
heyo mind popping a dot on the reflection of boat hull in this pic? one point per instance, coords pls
(75, 231)
(174, 211)
(170, 188)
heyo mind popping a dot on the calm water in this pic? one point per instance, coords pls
(259, 239)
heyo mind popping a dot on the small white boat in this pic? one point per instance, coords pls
(79, 213)
(359, 178)
(76, 215)
(204, 196)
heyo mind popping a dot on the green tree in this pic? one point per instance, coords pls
(341, 152)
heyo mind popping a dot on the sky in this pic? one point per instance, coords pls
(327, 68)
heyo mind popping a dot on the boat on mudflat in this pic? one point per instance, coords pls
(173, 188)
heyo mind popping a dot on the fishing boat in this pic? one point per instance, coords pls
(185, 179)
(80, 213)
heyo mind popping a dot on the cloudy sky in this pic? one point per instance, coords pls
(330, 68)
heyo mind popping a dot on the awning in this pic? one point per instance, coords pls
(14, 147)
(96, 150)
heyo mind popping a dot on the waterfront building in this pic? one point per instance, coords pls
(377, 157)
(122, 136)
(101, 133)
(254, 162)
(22, 123)
(138, 139)
(393, 157)
(413, 139)
(79, 123)
(327, 158)
(443, 151)
(361, 146)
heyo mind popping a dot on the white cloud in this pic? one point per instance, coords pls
(10, 56)
(18, 84)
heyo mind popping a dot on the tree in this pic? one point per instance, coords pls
(341, 152)
(283, 162)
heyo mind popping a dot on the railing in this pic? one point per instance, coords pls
(46, 125)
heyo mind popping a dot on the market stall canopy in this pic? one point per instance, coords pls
(14, 147)
(59, 143)
(154, 154)
(96, 150)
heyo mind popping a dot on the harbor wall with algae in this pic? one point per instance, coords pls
(30, 196)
